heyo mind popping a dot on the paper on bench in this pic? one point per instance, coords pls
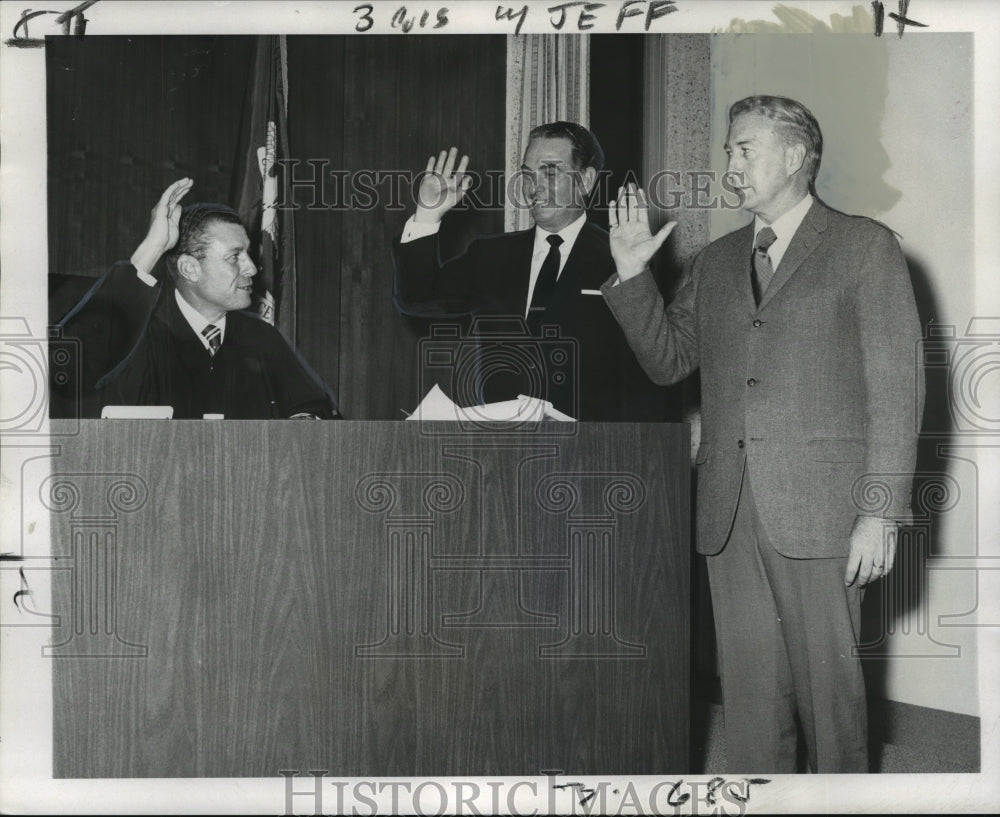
(438, 406)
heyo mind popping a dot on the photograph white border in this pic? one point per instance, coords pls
(25, 682)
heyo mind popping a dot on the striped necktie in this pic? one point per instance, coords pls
(763, 269)
(213, 335)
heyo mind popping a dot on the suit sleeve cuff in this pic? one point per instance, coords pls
(615, 287)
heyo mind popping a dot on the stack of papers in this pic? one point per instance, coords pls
(438, 406)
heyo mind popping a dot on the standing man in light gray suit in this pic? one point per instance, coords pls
(805, 329)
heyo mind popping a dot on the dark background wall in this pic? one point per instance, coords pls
(616, 108)
(127, 116)
(381, 104)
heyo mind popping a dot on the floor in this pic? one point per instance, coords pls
(902, 737)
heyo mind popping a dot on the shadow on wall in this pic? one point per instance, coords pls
(897, 606)
(843, 80)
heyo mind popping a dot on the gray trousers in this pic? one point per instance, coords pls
(785, 629)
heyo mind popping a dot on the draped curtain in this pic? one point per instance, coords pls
(548, 79)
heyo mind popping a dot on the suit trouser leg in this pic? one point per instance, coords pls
(786, 630)
(821, 624)
(757, 692)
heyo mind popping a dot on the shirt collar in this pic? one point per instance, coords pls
(568, 234)
(786, 224)
(197, 321)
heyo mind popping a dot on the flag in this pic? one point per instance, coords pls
(261, 187)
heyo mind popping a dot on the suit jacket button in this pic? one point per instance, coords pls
(758, 323)
(751, 382)
(740, 444)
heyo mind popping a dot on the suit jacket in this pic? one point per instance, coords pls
(817, 392)
(138, 349)
(491, 279)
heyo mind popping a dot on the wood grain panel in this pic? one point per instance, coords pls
(316, 137)
(125, 117)
(405, 99)
(253, 565)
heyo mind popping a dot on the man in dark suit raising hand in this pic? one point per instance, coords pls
(804, 327)
(547, 276)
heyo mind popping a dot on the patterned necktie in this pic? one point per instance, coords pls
(213, 335)
(763, 270)
(546, 283)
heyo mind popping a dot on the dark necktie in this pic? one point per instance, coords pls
(546, 283)
(763, 269)
(213, 335)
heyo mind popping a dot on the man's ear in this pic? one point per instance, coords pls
(588, 178)
(795, 157)
(188, 268)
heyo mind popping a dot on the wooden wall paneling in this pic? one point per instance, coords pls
(316, 117)
(406, 98)
(259, 601)
(616, 110)
(125, 117)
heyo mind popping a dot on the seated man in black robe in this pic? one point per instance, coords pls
(186, 343)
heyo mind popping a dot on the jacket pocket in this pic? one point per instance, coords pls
(837, 450)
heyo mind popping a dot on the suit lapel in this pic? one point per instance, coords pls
(516, 272)
(805, 240)
(743, 264)
(569, 279)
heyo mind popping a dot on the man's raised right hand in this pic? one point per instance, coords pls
(441, 187)
(632, 244)
(163, 227)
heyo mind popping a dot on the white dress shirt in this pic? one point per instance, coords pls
(197, 321)
(412, 231)
(568, 234)
(784, 228)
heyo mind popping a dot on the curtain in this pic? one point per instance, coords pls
(548, 79)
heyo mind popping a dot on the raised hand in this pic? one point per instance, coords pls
(632, 244)
(441, 187)
(163, 226)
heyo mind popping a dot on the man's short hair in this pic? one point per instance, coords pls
(587, 151)
(195, 220)
(793, 121)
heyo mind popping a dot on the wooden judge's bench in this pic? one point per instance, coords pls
(369, 598)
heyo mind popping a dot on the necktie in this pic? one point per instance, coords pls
(763, 270)
(213, 335)
(546, 283)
